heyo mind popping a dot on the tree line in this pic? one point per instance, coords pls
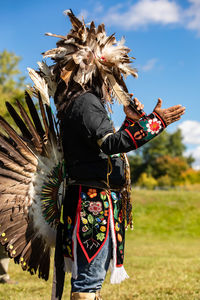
(162, 163)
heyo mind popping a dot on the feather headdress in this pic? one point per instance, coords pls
(87, 53)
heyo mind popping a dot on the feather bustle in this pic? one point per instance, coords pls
(36, 138)
(13, 175)
(18, 121)
(34, 115)
(20, 144)
(10, 149)
(13, 166)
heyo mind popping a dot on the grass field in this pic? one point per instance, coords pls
(162, 254)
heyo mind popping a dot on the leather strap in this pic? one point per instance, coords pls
(58, 274)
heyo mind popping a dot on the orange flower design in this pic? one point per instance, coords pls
(69, 220)
(119, 237)
(92, 193)
(106, 213)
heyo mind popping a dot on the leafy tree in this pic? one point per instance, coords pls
(155, 148)
(164, 181)
(143, 160)
(173, 167)
(191, 176)
(146, 181)
(137, 166)
(190, 159)
(162, 158)
(12, 82)
(175, 144)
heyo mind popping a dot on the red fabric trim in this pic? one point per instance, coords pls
(130, 120)
(76, 219)
(78, 236)
(159, 117)
(118, 266)
(143, 114)
(136, 146)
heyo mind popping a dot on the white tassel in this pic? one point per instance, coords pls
(118, 274)
(114, 259)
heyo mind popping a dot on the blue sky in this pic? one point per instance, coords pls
(164, 36)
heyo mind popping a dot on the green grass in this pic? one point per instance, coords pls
(167, 213)
(162, 254)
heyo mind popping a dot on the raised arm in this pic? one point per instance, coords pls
(134, 134)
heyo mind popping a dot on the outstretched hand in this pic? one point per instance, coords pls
(171, 114)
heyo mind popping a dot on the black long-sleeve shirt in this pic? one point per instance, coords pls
(88, 139)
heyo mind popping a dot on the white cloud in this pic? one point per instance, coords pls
(191, 136)
(196, 154)
(192, 15)
(148, 12)
(191, 132)
(98, 8)
(145, 12)
(149, 65)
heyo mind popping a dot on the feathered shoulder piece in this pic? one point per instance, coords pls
(32, 176)
(87, 55)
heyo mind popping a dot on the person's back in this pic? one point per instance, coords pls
(85, 122)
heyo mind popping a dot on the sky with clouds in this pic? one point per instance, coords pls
(164, 36)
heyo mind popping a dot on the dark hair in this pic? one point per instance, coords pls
(66, 94)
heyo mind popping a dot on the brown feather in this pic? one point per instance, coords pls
(12, 229)
(34, 115)
(19, 189)
(118, 92)
(92, 27)
(44, 118)
(18, 243)
(36, 138)
(45, 265)
(33, 250)
(6, 203)
(15, 176)
(38, 247)
(76, 23)
(13, 166)
(110, 40)
(15, 154)
(18, 121)
(21, 146)
(56, 35)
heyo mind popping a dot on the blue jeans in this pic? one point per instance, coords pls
(91, 275)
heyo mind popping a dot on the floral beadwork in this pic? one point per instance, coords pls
(154, 126)
(84, 228)
(95, 207)
(114, 196)
(103, 195)
(103, 228)
(93, 221)
(83, 196)
(119, 226)
(92, 193)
